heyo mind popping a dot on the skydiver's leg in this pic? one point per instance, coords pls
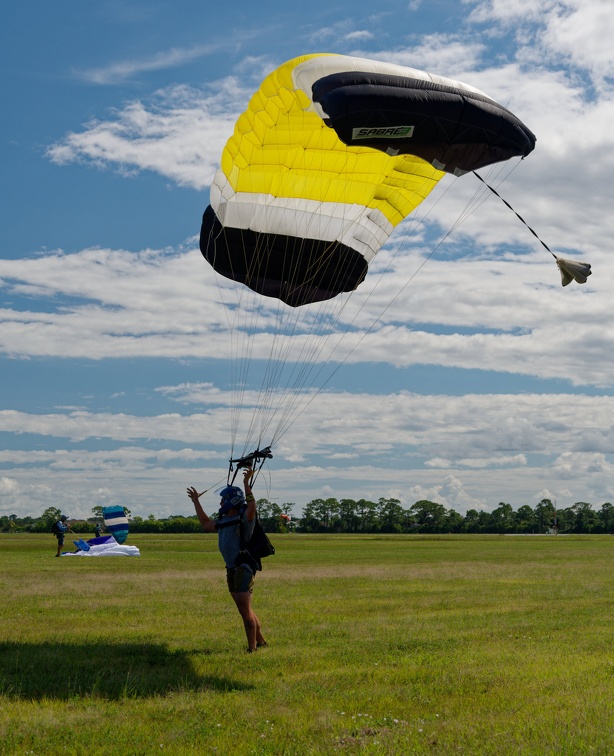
(250, 621)
(260, 641)
(241, 586)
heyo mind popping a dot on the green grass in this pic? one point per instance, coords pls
(378, 645)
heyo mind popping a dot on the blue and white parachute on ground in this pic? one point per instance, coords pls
(116, 522)
(102, 546)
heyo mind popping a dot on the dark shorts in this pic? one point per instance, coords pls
(240, 579)
(60, 538)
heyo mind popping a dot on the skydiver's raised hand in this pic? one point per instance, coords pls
(206, 523)
(249, 496)
(193, 494)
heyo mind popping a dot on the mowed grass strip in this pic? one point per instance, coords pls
(378, 644)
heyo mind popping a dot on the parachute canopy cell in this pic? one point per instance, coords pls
(332, 153)
(116, 522)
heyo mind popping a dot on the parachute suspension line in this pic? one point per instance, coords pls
(307, 324)
(251, 335)
(251, 330)
(227, 309)
(309, 327)
(468, 210)
(287, 320)
(316, 348)
(520, 218)
(241, 316)
(413, 226)
(241, 347)
(311, 359)
(471, 206)
(281, 342)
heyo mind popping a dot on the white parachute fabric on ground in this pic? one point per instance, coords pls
(103, 546)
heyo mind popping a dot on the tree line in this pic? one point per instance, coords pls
(363, 516)
(388, 516)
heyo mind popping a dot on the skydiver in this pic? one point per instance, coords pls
(234, 506)
(61, 528)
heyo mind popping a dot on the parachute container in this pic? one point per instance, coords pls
(332, 153)
(116, 522)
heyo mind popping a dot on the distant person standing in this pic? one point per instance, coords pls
(98, 530)
(60, 528)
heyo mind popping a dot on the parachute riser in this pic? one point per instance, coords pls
(255, 460)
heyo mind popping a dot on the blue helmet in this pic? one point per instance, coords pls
(232, 498)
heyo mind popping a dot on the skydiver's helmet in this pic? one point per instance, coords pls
(232, 498)
(63, 518)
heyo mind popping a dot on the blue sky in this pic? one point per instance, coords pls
(469, 376)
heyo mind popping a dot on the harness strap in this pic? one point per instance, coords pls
(228, 523)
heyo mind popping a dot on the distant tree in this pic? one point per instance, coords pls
(269, 515)
(471, 521)
(585, 518)
(566, 519)
(429, 516)
(544, 513)
(324, 511)
(391, 516)
(454, 521)
(366, 511)
(524, 518)
(309, 521)
(349, 519)
(606, 518)
(51, 514)
(502, 519)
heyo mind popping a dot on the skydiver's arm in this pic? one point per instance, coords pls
(249, 496)
(206, 523)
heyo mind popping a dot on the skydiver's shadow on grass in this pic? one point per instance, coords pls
(108, 670)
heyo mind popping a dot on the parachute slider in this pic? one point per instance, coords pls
(571, 270)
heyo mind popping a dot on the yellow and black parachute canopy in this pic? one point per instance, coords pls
(332, 153)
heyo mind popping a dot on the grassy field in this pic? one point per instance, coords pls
(378, 645)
